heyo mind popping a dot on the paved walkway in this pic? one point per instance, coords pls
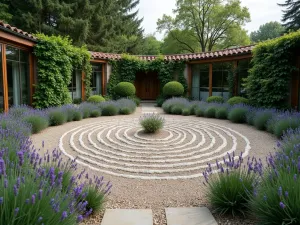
(150, 108)
(175, 216)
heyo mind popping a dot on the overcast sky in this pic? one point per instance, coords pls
(261, 11)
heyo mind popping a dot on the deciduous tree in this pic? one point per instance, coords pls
(267, 31)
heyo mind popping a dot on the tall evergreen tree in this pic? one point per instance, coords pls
(291, 15)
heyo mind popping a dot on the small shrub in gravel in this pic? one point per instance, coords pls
(57, 117)
(110, 110)
(125, 111)
(37, 122)
(221, 113)
(228, 190)
(176, 110)
(77, 115)
(210, 112)
(186, 112)
(96, 99)
(261, 118)
(238, 115)
(216, 99)
(152, 122)
(95, 113)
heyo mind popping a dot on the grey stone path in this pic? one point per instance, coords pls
(175, 216)
(150, 108)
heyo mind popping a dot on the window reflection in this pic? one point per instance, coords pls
(75, 85)
(96, 80)
(200, 81)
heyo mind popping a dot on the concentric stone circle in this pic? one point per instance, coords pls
(181, 151)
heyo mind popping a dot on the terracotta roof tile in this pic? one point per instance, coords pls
(16, 30)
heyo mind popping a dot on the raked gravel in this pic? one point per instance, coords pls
(154, 193)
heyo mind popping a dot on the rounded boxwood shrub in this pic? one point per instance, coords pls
(176, 110)
(199, 112)
(125, 111)
(125, 89)
(57, 117)
(38, 123)
(110, 110)
(221, 113)
(260, 120)
(210, 112)
(217, 99)
(237, 100)
(238, 115)
(95, 113)
(152, 122)
(186, 112)
(173, 89)
(96, 99)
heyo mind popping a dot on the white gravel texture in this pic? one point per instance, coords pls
(156, 171)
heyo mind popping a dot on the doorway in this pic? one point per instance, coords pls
(147, 85)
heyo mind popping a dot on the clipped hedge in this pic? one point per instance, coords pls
(96, 99)
(173, 89)
(125, 89)
(218, 99)
(237, 100)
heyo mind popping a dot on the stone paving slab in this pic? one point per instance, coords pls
(127, 217)
(190, 216)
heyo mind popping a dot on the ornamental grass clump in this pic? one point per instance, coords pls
(228, 190)
(70, 110)
(37, 122)
(262, 117)
(86, 108)
(222, 113)
(210, 112)
(109, 108)
(237, 114)
(57, 116)
(152, 122)
(285, 122)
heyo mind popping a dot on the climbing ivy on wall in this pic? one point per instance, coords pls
(273, 63)
(126, 68)
(56, 60)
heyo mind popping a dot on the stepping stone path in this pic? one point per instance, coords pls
(148, 108)
(190, 216)
(175, 216)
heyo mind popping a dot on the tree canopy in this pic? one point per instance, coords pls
(291, 15)
(208, 22)
(267, 31)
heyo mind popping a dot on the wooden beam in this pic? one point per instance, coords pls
(189, 68)
(236, 76)
(82, 86)
(221, 59)
(103, 79)
(98, 61)
(210, 78)
(4, 74)
(16, 39)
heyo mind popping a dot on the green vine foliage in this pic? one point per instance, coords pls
(56, 60)
(231, 78)
(127, 67)
(273, 63)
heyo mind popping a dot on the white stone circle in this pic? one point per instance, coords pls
(119, 147)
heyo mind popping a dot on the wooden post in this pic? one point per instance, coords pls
(210, 78)
(236, 75)
(31, 76)
(82, 86)
(103, 79)
(189, 79)
(4, 73)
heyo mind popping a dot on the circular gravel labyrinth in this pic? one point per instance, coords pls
(181, 150)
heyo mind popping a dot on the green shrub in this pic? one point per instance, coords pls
(181, 102)
(125, 111)
(176, 110)
(228, 193)
(77, 116)
(186, 112)
(96, 99)
(283, 125)
(77, 101)
(95, 198)
(217, 99)
(238, 115)
(221, 113)
(107, 97)
(237, 100)
(125, 89)
(136, 100)
(152, 122)
(110, 110)
(95, 113)
(250, 117)
(173, 89)
(57, 117)
(260, 120)
(199, 112)
(210, 112)
(160, 101)
(38, 123)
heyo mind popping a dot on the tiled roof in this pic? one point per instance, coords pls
(16, 30)
(189, 56)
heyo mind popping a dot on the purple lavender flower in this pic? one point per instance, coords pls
(16, 210)
(79, 218)
(40, 219)
(2, 167)
(16, 191)
(27, 201)
(5, 183)
(33, 199)
(64, 215)
(282, 205)
(280, 191)
(286, 193)
(1, 200)
(40, 194)
(21, 157)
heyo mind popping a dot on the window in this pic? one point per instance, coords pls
(96, 82)
(200, 81)
(17, 63)
(1, 82)
(242, 71)
(75, 85)
(220, 79)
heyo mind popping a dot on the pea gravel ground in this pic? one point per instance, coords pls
(157, 194)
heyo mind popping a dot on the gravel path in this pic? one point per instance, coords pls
(156, 171)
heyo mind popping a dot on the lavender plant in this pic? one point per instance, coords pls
(152, 122)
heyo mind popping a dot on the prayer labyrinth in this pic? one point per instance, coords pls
(181, 150)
